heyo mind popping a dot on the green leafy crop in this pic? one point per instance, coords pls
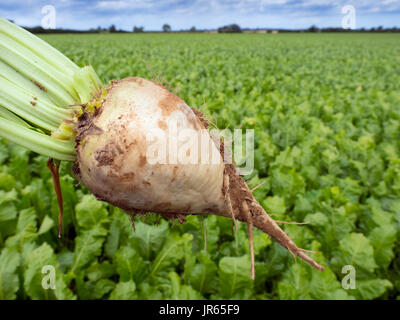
(326, 114)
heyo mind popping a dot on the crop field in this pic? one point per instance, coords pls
(325, 109)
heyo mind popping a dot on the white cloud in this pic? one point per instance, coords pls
(376, 9)
(122, 5)
(201, 13)
(390, 1)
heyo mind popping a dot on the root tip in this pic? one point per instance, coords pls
(300, 253)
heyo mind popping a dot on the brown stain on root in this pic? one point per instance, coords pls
(169, 104)
(194, 122)
(174, 174)
(162, 206)
(162, 125)
(105, 156)
(142, 160)
(211, 209)
(129, 177)
(199, 115)
(94, 130)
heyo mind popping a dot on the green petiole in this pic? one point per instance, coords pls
(37, 142)
(46, 77)
(8, 115)
(30, 108)
(38, 46)
(41, 91)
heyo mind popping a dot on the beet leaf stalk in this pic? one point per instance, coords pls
(41, 93)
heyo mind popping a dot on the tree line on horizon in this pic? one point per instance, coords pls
(231, 28)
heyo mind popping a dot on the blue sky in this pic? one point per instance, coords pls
(203, 14)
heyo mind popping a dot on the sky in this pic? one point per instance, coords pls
(203, 14)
